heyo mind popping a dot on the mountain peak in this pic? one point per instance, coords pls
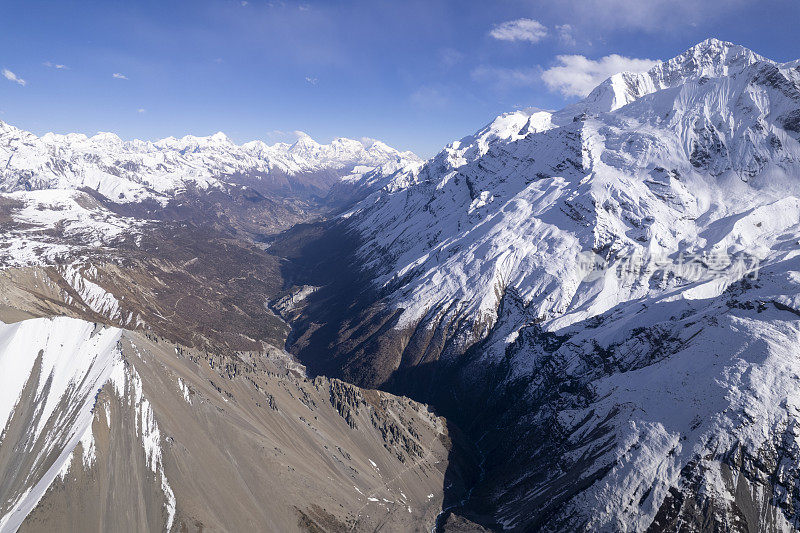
(718, 49)
(712, 43)
(106, 137)
(711, 58)
(304, 142)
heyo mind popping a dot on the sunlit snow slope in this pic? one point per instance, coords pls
(52, 369)
(703, 158)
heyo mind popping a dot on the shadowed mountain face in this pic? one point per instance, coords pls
(577, 320)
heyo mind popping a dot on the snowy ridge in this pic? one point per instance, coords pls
(82, 278)
(133, 171)
(95, 297)
(711, 58)
(77, 359)
(72, 360)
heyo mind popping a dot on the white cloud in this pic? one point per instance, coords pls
(141, 110)
(575, 75)
(56, 66)
(119, 76)
(565, 34)
(311, 80)
(244, 3)
(7, 74)
(368, 142)
(519, 30)
(505, 78)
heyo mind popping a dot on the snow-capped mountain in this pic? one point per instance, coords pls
(65, 195)
(133, 171)
(603, 299)
(692, 167)
(629, 263)
(710, 59)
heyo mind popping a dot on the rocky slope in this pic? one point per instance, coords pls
(105, 428)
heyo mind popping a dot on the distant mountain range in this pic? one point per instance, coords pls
(133, 171)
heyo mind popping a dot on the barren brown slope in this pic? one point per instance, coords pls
(257, 446)
(245, 441)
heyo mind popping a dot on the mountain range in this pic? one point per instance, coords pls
(583, 319)
(134, 171)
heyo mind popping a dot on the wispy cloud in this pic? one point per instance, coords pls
(7, 74)
(520, 30)
(565, 34)
(311, 80)
(449, 57)
(57, 66)
(119, 76)
(141, 110)
(274, 136)
(244, 3)
(368, 142)
(576, 75)
(502, 78)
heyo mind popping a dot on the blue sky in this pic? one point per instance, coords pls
(416, 74)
